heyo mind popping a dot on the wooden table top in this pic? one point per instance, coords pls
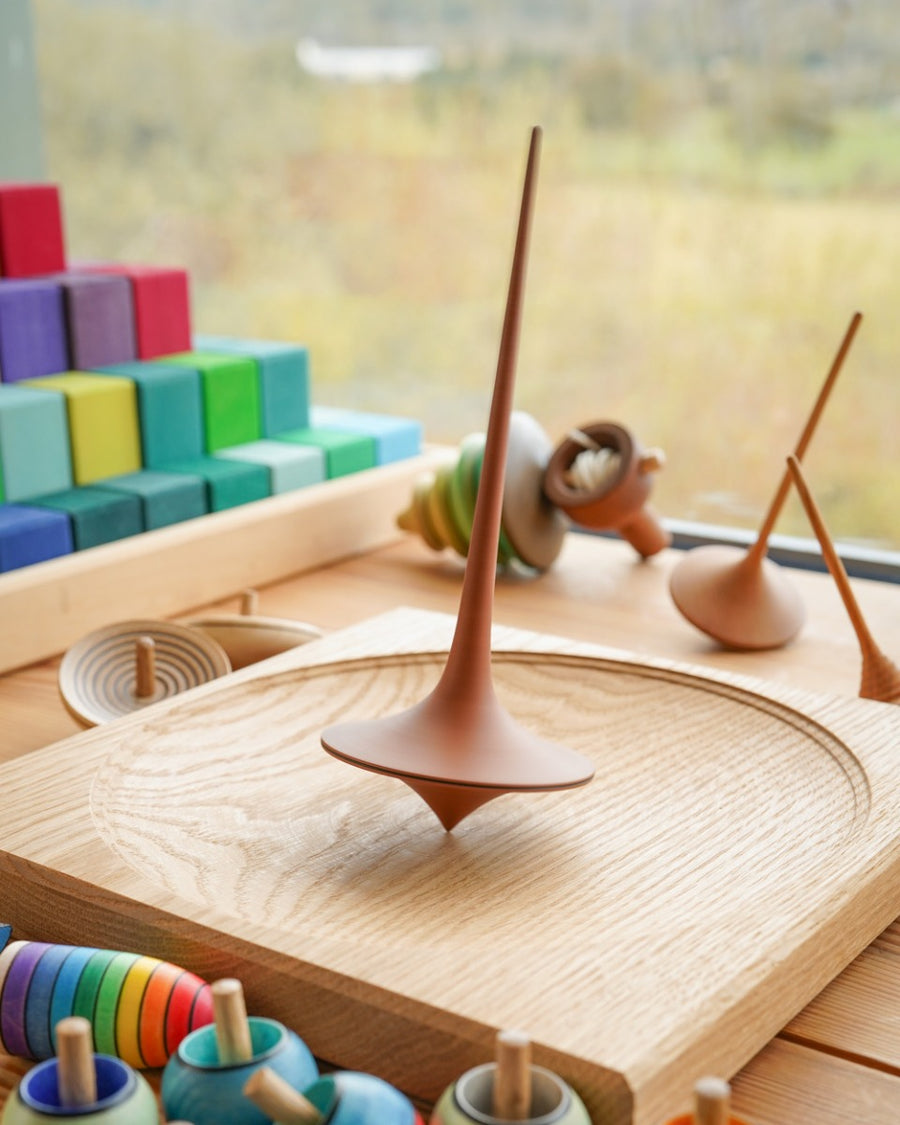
(838, 1061)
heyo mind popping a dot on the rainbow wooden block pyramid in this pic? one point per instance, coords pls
(116, 419)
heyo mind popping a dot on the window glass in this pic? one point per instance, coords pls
(719, 192)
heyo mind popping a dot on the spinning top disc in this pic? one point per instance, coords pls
(99, 675)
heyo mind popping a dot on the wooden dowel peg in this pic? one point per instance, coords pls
(512, 1079)
(145, 667)
(712, 1101)
(276, 1098)
(249, 603)
(880, 676)
(232, 1026)
(76, 1075)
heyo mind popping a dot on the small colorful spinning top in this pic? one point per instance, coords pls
(203, 1081)
(140, 1008)
(343, 1098)
(95, 1089)
(510, 1089)
(601, 478)
(442, 510)
(712, 1105)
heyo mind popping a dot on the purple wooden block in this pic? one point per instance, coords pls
(29, 535)
(32, 329)
(100, 319)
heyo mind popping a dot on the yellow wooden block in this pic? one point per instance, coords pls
(103, 423)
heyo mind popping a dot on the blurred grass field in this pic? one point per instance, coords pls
(686, 280)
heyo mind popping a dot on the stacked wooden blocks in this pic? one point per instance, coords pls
(114, 420)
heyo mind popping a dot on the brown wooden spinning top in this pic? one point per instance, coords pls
(459, 748)
(741, 598)
(880, 675)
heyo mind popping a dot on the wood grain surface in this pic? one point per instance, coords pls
(736, 850)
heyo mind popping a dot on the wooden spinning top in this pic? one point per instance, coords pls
(123, 667)
(248, 637)
(459, 748)
(613, 486)
(740, 598)
(880, 677)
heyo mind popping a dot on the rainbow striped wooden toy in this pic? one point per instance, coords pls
(140, 1008)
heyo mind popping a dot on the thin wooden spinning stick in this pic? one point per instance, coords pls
(145, 667)
(712, 1102)
(880, 676)
(232, 1027)
(512, 1078)
(275, 1097)
(76, 1075)
(759, 547)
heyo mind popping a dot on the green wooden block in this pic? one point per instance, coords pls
(103, 422)
(98, 515)
(165, 498)
(35, 457)
(228, 483)
(289, 466)
(170, 410)
(395, 438)
(283, 378)
(230, 389)
(344, 453)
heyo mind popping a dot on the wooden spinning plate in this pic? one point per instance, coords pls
(736, 849)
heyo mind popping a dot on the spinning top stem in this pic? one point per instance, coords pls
(232, 1027)
(758, 549)
(76, 1075)
(712, 1102)
(512, 1078)
(144, 667)
(880, 676)
(278, 1099)
(249, 603)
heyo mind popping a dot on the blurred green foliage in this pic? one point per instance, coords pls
(718, 194)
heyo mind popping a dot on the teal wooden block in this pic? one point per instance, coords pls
(395, 438)
(289, 466)
(344, 453)
(165, 498)
(170, 410)
(35, 456)
(97, 515)
(283, 371)
(228, 483)
(231, 397)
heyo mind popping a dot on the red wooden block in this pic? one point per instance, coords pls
(162, 315)
(31, 232)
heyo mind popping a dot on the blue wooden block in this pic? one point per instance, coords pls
(32, 329)
(170, 410)
(395, 438)
(283, 378)
(31, 535)
(289, 466)
(99, 319)
(34, 442)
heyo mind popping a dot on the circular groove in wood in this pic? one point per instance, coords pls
(97, 676)
(704, 792)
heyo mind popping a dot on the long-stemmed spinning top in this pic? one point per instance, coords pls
(741, 598)
(880, 675)
(459, 748)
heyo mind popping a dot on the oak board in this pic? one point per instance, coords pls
(735, 851)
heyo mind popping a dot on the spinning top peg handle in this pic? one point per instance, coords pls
(76, 1075)
(512, 1078)
(232, 1027)
(144, 667)
(249, 603)
(712, 1102)
(278, 1099)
